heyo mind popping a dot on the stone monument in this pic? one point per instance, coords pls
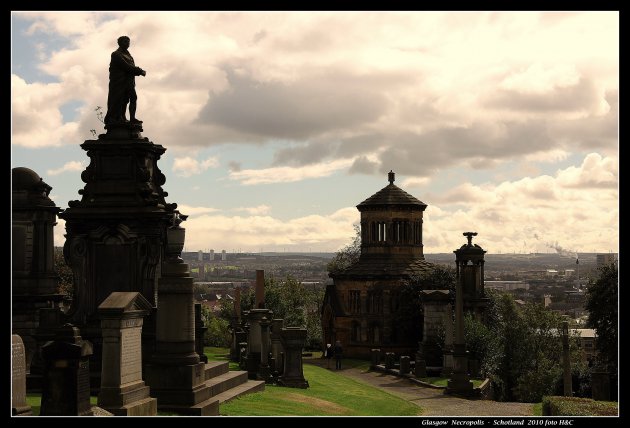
(123, 391)
(566, 361)
(200, 332)
(436, 306)
(35, 281)
(468, 258)
(66, 386)
(276, 346)
(293, 339)
(175, 373)
(115, 235)
(19, 406)
(405, 365)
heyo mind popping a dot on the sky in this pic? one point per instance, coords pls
(277, 124)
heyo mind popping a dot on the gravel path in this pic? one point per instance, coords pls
(433, 401)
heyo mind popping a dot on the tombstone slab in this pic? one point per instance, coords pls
(123, 391)
(19, 406)
(66, 386)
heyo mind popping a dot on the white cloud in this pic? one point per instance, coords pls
(286, 174)
(531, 210)
(259, 210)
(317, 232)
(415, 182)
(233, 78)
(67, 167)
(188, 166)
(195, 211)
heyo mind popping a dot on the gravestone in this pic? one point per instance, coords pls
(235, 326)
(66, 383)
(264, 372)
(276, 346)
(255, 340)
(123, 391)
(404, 365)
(293, 339)
(437, 311)
(389, 360)
(600, 383)
(19, 406)
(376, 357)
(200, 332)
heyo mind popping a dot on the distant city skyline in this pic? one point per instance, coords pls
(277, 124)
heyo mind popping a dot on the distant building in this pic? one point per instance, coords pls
(506, 285)
(211, 255)
(605, 259)
(223, 255)
(200, 256)
(552, 273)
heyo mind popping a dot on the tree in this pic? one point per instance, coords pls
(66, 277)
(601, 303)
(523, 350)
(409, 313)
(348, 255)
(290, 300)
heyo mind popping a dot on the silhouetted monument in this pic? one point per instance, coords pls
(115, 235)
(122, 86)
(468, 258)
(35, 282)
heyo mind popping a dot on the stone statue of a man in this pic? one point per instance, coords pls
(122, 85)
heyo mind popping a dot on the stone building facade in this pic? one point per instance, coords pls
(359, 306)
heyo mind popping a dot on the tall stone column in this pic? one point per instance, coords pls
(259, 302)
(264, 372)
(276, 346)
(468, 258)
(566, 361)
(236, 326)
(175, 374)
(255, 340)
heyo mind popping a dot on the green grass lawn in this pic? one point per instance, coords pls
(34, 400)
(329, 394)
(219, 354)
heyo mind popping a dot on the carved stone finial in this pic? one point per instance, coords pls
(470, 235)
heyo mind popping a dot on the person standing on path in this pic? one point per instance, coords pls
(328, 353)
(338, 355)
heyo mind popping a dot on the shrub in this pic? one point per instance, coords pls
(574, 406)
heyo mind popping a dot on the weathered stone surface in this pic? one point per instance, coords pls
(404, 365)
(19, 406)
(66, 386)
(34, 281)
(123, 392)
(293, 339)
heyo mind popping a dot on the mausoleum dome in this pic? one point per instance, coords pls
(29, 188)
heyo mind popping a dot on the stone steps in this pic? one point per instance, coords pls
(223, 382)
(245, 388)
(216, 368)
